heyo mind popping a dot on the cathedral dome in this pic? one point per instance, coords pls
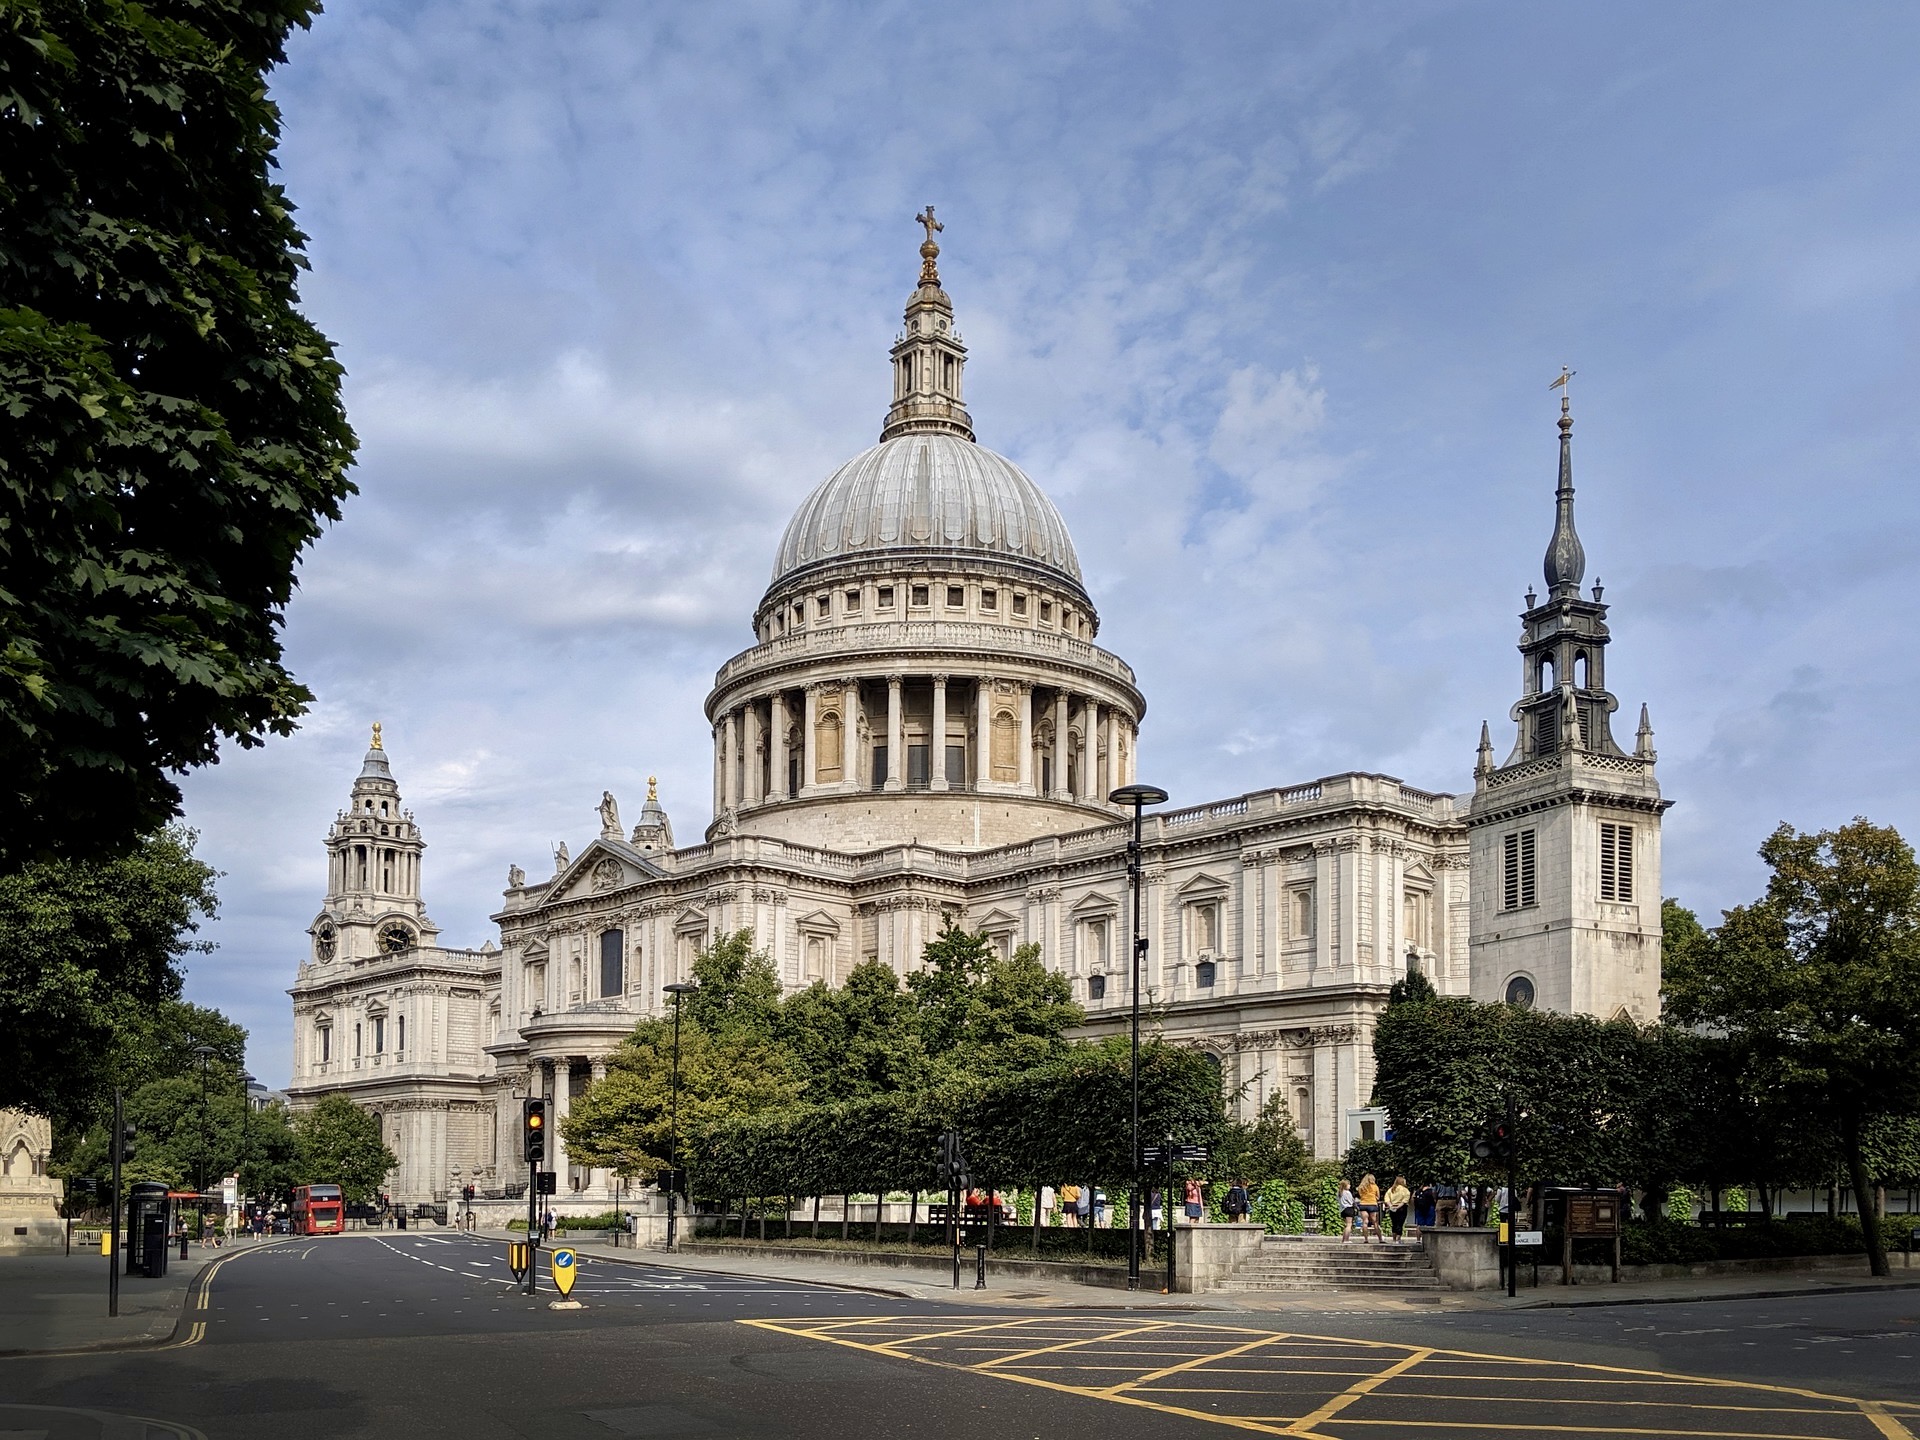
(927, 493)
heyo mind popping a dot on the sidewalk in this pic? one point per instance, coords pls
(1021, 1292)
(59, 1302)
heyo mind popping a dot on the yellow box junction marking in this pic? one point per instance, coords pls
(1329, 1387)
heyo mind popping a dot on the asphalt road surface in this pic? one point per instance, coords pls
(426, 1336)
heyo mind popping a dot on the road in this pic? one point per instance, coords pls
(425, 1336)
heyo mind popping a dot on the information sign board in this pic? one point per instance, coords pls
(565, 1268)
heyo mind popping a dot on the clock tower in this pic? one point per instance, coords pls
(373, 905)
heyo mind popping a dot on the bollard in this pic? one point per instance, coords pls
(980, 1266)
(183, 1244)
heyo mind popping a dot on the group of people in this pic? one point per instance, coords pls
(1375, 1212)
(1080, 1206)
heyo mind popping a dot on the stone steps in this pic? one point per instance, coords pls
(1331, 1265)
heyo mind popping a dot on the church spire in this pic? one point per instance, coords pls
(928, 358)
(1566, 563)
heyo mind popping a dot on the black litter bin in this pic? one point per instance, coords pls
(149, 1219)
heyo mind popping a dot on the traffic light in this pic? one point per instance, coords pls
(953, 1161)
(533, 1129)
(126, 1143)
(1494, 1143)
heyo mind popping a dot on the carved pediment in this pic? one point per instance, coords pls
(1096, 902)
(1202, 886)
(819, 922)
(607, 864)
(997, 920)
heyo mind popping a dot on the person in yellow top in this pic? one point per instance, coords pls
(1396, 1200)
(1366, 1206)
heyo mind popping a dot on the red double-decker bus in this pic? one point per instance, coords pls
(319, 1210)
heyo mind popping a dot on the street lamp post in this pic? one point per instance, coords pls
(205, 1052)
(1139, 797)
(679, 990)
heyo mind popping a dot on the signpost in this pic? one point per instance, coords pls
(1170, 1153)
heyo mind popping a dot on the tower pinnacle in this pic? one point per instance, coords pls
(1566, 563)
(928, 358)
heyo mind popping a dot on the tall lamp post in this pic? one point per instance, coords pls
(679, 990)
(205, 1052)
(1139, 797)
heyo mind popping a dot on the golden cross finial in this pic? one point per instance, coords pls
(925, 217)
(376, 736)
(929, 248)
(653, 793)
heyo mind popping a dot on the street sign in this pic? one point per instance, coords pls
(1528, 1237)
(565, 1268)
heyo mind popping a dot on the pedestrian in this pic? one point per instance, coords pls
(1366, 1204)
(546, 1226)
(1346, 1212)
(1238, 1203)
(1153, 1209)
(1426, 1201)
(1196, 1203)
(1396, 1201)
(1449, 1207)
(1099, 1204)
(1071, 1206)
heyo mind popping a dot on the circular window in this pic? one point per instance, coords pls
(1520, 992)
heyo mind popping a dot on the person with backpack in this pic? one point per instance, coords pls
(1238, 1203)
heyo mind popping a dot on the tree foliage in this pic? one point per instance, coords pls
(90, 954)
(338, 1143)
(175, 434)
(1818, 982)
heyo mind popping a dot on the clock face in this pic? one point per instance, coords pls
(324, 942)
(395, 938)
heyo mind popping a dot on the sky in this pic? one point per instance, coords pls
(1266, 296)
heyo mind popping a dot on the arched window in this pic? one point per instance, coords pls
(613, 968)
(1203, 975)
(400, 1033)
(1546, 675)
(1006, 746)
(1096, 987)
(827, 761)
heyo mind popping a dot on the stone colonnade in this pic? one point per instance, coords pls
(931, 732)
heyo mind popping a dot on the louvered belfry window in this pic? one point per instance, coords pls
(1517, 871)
(1616, 862)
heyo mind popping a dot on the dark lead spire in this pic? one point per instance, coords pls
(1566, 563)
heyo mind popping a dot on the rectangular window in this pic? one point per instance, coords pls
(1516, 870)
(853, 602)
(356, 1039)
(989, 599)
(919, 596)
(823, 606)
(401, 1034)
(613, 967)
(917, 776)
(1019, 604)
(1616, 862)
(1046, 612)
(956, 764)
(326, 1043)
(879, 767)
(379, 1035)
(886, 597)
(799, 615)
(956, 597)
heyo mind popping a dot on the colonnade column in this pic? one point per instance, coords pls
(896, 738)
(983, 732)
(730, 765)
(1090, 749)
(778, 766)
(809, 743)
(850, 735)
(937, 761)
(753, 746)
(1108, 735)
(1024, 769)
(1059, 745)
(719, 766)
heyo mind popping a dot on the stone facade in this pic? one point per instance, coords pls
(924, 731)
(30, 1198)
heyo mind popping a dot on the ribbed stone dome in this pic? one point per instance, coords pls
(927, 492)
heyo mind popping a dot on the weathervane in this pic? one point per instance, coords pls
(1566, 391)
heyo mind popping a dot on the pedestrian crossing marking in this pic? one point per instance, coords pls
(1336, 1387)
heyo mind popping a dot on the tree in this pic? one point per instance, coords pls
(90, 954)
(338, 1143)
(855, 1041)
(175, 433)
(1820, 979)
(1268, 1149)
(739, 988)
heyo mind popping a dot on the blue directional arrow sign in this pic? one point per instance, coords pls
(565, 1268)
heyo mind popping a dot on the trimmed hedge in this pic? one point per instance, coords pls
(1069, 1119)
